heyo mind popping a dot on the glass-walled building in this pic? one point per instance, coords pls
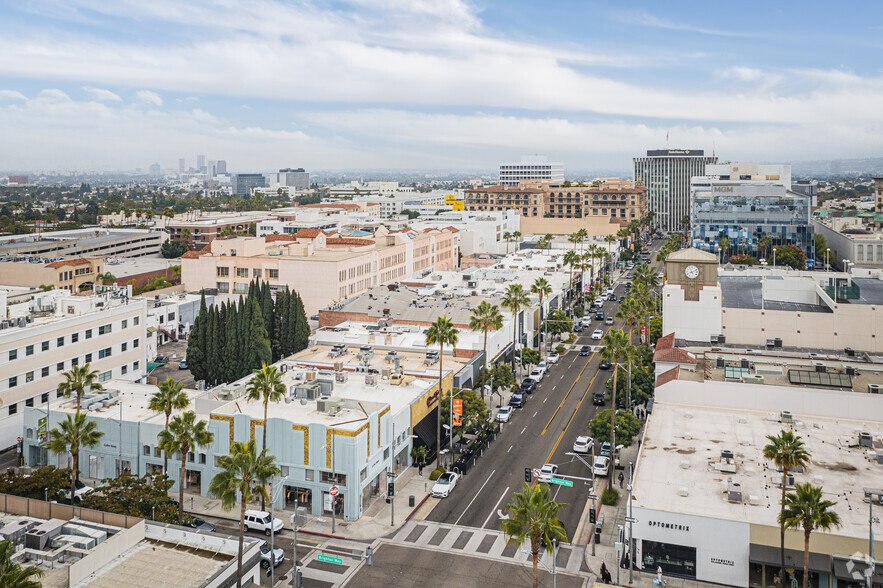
(744, 213)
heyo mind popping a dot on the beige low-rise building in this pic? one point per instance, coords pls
(73, 274)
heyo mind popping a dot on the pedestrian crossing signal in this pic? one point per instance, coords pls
(527, 475)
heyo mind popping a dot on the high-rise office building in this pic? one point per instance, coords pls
(667, 173)
(295, 178)
(243, 183)
(221, 167)
(154, 171)
(181, 166)
(531, 167)
(200, 163)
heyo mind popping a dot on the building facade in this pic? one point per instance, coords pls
(531, 168)
(243, 184)
(85, 243)
(296, 178)
(666, 173)
(850, 238)
(198, 229)
(73, 274)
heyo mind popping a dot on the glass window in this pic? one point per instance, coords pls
(240, 288)
(673, 559)
(124, 346)
(44, 398)
(13, 381)
(59, 367)
(44, 372)
(135, 343)
(256, 273)
(75, 337)
(13, 408)
(104, 376)
(223, 287)
(106, 352)
(59, 342)
(147, 450)
(88, 358)
(29, 350)
(273, 274)
(241, 272)
(104, 329)
(135, 321)
(88, 333)
(223, 272)
(29, 402)
(136, 365)
(29, 377)
(13, 354)
(75, 361)
(125, 324)
(124, 369)
(44, 346)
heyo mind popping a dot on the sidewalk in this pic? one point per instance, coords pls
(374, 523)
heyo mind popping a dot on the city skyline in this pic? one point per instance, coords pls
(90, 85)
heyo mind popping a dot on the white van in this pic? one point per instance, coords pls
(259, 520)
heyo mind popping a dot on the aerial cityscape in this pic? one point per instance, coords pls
(464, 293)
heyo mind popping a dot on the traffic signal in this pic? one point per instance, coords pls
(592, 515)
(390, 489)
(528, 475)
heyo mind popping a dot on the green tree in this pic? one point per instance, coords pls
(196, 342)
(266, 386)
(79, 381)
(514, 299)
(790, 256)
(146, 497)
(502, 378)
(12, 574)
(173, 248)
(442, 332)
(184, 433)
(806, 508)
(764, 244)
(571, 260)
(558, 323)
(743, 259)
(788, 452)
(627, 426)
(533, 516)
(485, 317)
(170, 396)
(46, 482)
(541, 288)
(474, 409)
(71, 435)
(615, 348)
(821, 245)
(529, 357)
(241, 475)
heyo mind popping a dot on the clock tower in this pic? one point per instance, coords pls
(691, 297)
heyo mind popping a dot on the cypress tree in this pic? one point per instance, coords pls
(195, 352)
(208, 364)
(287, 335)
(232, 344)
(217, 344)
(276, 338)
(259, 351)
(302, 328)
(266, 301)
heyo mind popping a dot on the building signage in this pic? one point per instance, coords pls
(723, 189)
(673, 526)
(723, 562)
(432, 398)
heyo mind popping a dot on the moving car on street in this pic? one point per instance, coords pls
(445, 485)
(547, 472)
(608, 320)
(597, 334)
(604, 365)
(585, 350)
(598, 398)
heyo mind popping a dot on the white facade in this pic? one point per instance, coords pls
(480, 232)
(667, 174)
(392, 204)
(691, 320)
(531, 168)
(777, 173)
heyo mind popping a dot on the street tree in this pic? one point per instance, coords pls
(441, 332)
(485, 317)
(266, 386)
(533, 516)
(79, 381)
(169, 397)
(514, 299)
(184, 434)
(615, 347)
(72, 434)
(806, 508)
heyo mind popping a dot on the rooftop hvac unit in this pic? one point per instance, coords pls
(778, 342)
(714, 339)
(721, 339)
(472, 284)
(865, 440)
(753, 499)
(371, 379)
(875, 388)
(322, 403)
(311, 376)
(820, 367)
(338, 366)
(770, 343)
(386, 372)
(752, 379)
(15, 530)
(734, 492)
(341, 377)
(720, 363)
(309, 390)
(38, 537)
(850, 370)
(786, 416)
(745, 364)
(683, 491)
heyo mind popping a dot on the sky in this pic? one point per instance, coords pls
(434, 84)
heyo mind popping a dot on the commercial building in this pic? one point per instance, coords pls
(298, 178)
(808, 188)
(244, 184)
(322, 269)
(181, 164)
(850, 235)
(531, 168)
(666, 173)
(73, 274)
(479, 232)
(878, 194)
(221, 167)
(84, 243)
(200, 228)
(706, 500)
(392, 204)
(766, 306)
(44, 334)
(200, 163)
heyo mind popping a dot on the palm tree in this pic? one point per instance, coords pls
(242, 474)
(169, 397)
(610, 240)
(485, 317)
(184, 434)
(788, 452)
(266, 385)
(806, 508)
(615, 349)
(541, 288)
(764, 244)
(72, 434)
(629, 311)
(685, 222)
(583, 235)
(79, 380)
(441, 333)
(533, 516)
(571, 258)
(548, 239)
(12, 575)
(516, 235)
(574, 238)
(514, 299)
(507, 235)
(724, 244)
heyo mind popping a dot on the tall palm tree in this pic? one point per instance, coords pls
(788, 452)
(610, 240)
(548, 239)
(806, 508)
(241, 474)
(12, 575)
(485, 317)
(516, 235)
(724, 244)
(507, 235)
(442, 332)
(541, 288)
(169, 397)
(534, 516)
(764, 244)
(184, 433)
(514, 299)
(629, 311)
(616, 346)
(78, 381)
(72, 434)
(571, 258)
(266, 385)
(574, 238)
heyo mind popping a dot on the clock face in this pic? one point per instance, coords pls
(691, 271)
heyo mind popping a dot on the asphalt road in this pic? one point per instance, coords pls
(541, 432)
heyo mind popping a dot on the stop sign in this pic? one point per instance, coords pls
(334, 491)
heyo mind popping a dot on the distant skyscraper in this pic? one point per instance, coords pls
(295, 178)
(181, 166)
(200, 163)
(243, 183)
(531, 167)
(221, 167)
(154, 171)
(667, 173)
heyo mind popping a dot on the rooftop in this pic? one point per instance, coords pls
(692, 424)
(120, 397)
(745, 292)
(85, 237)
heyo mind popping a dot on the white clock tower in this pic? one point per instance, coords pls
(691, 297)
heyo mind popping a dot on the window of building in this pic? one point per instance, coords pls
(13, 354)
(75, 337)
(240, 288)
(223, 287)
(106, 352)
(104, 329)
(59, 367)
(13, 408)
(125, 324)
(859, 252)
(147, 450)
(104, 376)
(88, 358)
(29, 402)
(44, 372)
(202, 458)
(256, 272)
(124, 369)
(241, 272)
(75, 361)
(135, 321)
(157, 452)
(59, 342)
(88, 333)
(13, 381)
(309, 475)
(29, 377)
(223, 272)
(29, 350)
(136, 343)
(44, 398)
(124, 346)
(44, 346)
(136, 365)
(273, 274)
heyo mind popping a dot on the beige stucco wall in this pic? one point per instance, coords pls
(596, 226)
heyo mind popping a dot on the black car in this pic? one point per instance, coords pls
(199, 524)
(611, 297)
(621, 298)
(577, 328)
(528, 385)
(585, 350)
(598, 398)
(604, 365)
(599, 316)
(517, 400)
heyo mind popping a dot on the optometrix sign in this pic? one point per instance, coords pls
(672, 526)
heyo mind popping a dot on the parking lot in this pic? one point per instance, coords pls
(174, 351)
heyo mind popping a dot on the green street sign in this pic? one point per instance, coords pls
(41, 426)
(567, 483)
(329, 559)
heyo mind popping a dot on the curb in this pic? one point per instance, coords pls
(318, 534)
(416, 508)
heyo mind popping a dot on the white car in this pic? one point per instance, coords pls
(444, 485)
(543, 365)
(601, 466)
(586, 320)
(79, 493)
(553, 358)
(504, 414)
(260, 520)
(597, 334)
(536, 375)
(583, 444)
(547, 471)
(608, 320)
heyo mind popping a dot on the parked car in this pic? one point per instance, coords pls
(608, 320)
(504, 414)
(162, 358)
(597, 334)
(598, 398)
(517, 400)
(200, 524)
(528, 385)
(547, 472)
(604, 365)
(586, 320)
(445, 485)
(553, 358)
(583, 444)
(585, 350)
(260, 520)
(621, 298)
(536, 375)
(276, 557)
(543, 365)
(611, 297)
(182, 365)
(80, 491)
(601, 466)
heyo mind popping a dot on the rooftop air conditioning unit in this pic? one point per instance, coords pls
(786, 416)
(865, 440)
(875, 388)
(338, 366)
(850, 370)
(745, 364)
(311, 376)
(341, 377)
(720, 363)
(322, 403)
(734, 492)
(752, 379)
(721, 339)
(371, 379)
(820, 367)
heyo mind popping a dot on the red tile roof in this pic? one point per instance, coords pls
(308, 233)
(77, 261)
(192, 254)
(272, 238)
(452, 229)
(669, 376)
(666, 342)
(349, 241)
(674, 355)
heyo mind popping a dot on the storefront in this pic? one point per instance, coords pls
(849, 573)
(296, 496)
(765, 564)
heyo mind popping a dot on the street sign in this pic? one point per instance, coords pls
(329, 559)
(41, 425)
(334, 491)
(536, 473)
(458, 406)
(630, 519)
(567, 483)
(592, 497)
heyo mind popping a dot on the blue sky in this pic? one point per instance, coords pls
(92, 84)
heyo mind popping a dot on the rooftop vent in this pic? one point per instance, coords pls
(787, 416)
(734, 492)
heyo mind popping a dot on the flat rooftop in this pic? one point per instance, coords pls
(745, 292)
(396, 336)
(134, 399)
(681, 453)
(871, 291)
(407, 304)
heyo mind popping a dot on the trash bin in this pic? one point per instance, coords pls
(598, 526)
(411, 501)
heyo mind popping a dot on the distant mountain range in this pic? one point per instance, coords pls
(824, 168)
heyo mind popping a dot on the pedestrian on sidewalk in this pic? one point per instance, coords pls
(659, 575)
(621, 478)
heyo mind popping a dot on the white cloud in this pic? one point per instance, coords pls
(12, 95)
(148, 97)
(54, 94)
(648, 20)
(102, 94)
